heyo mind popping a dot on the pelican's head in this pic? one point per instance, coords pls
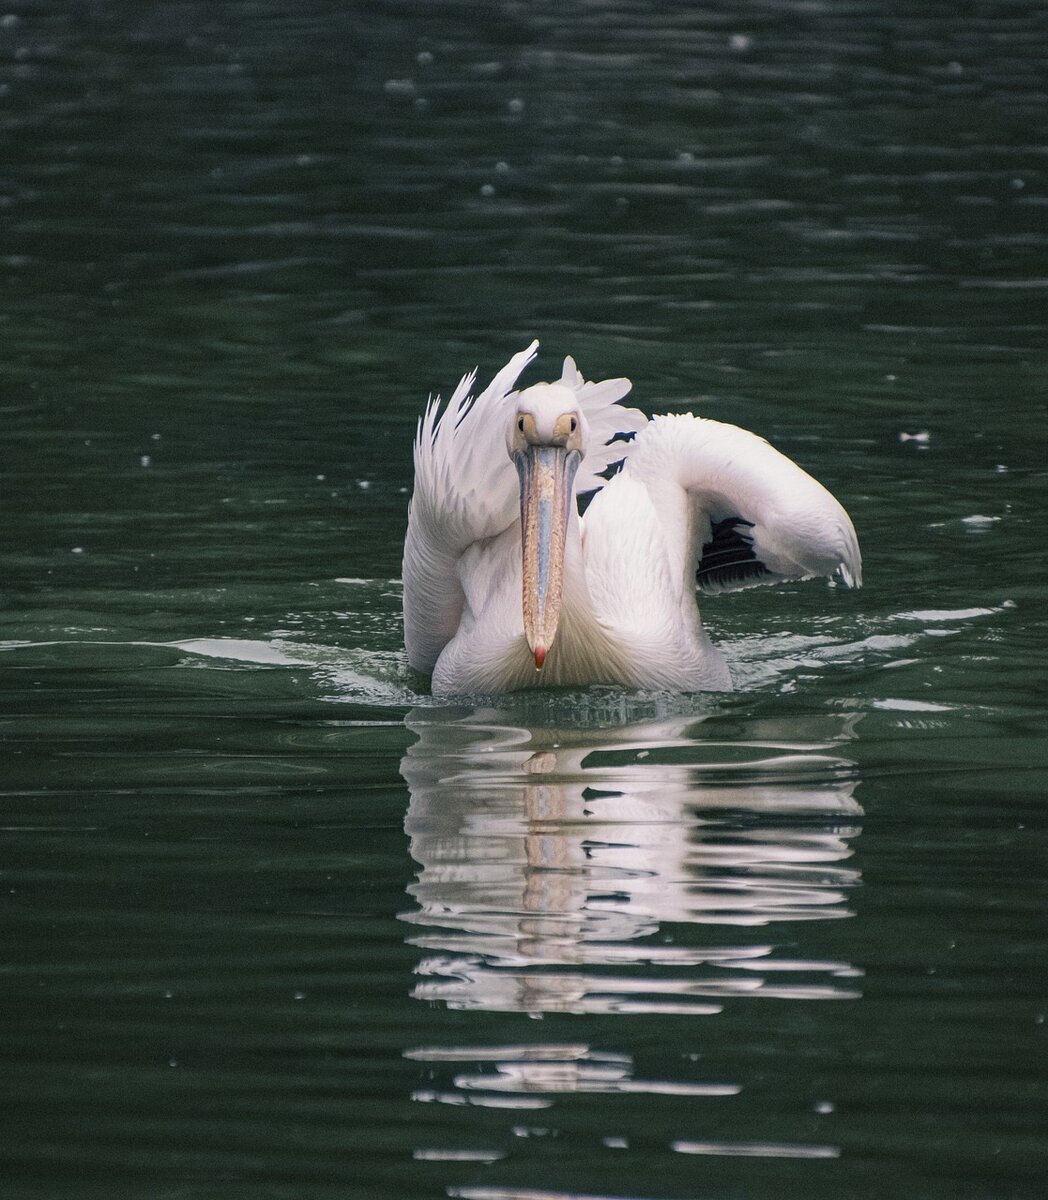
(546, 441)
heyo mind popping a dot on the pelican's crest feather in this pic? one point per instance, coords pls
(462, 470)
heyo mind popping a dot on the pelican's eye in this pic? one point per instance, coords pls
(520, 424)
(574, 424)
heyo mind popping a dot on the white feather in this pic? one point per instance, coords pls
(629, 613)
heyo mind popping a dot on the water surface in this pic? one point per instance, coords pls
(278, 924)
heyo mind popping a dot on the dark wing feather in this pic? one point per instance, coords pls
(728, 559)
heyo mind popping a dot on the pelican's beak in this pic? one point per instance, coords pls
(547, 474)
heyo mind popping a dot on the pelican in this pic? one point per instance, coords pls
(507, 586)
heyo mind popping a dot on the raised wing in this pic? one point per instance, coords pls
(757, 517)
(465, 491)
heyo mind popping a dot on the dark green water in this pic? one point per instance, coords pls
(274, 923)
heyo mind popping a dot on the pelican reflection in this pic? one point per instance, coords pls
(638, 868)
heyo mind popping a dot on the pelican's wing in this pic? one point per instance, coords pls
(465, 491)
(757, 517)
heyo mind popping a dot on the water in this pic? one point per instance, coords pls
(277, 924)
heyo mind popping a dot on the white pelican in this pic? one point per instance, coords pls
(506, 586)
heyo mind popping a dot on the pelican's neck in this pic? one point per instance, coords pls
(665, 481)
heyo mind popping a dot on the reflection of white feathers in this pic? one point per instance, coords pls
(549, 860)
(696, 501)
